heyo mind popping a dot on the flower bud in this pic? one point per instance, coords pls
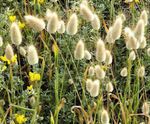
(32, 101)
(53, 23)
(87, 55)
(108, 59)
(109, 87)
(95, 88)
(72, 25)
(145, 108)
(132, 55)
(109, 38)
(61, 27)
(9, 52)
(91, 71)
(100, 73)
(89, 85)
(32, 55)
(141, 71)
(86, 12)
(15, 34)
(95, 22)
(124, 72)
(100, 51)
(104, 117)
(35, 23)
(79, 50)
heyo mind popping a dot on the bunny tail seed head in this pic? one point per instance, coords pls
(94, 92)
(95, 22)
(132, 55)
(79, 50)
(124, 72)
(117, 29)
(87, 55)
(148, 51)
(72, 25)
(144, 16)
(91, 71)
(86, 12)
(1, 41)
(61, 27)
(100, 51)
(15, 34)
(48, 14)
(53, 23)
(139, 30)
(35, 23)
(143, 43)
(22, 51)
(9, 52)
(145, 108)
(109, 87)
(141, 71)
(108, 59)
(109, 38)
(89, 85)
(32, 55)
(100, 73)
(104, 117)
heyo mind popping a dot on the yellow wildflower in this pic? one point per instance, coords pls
(40, 1)
(20, 119)
(13, 60)
(34, 76)
(21, 25)
(12, 18)
(30, 87)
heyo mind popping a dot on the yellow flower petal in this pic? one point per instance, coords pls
(12, 18)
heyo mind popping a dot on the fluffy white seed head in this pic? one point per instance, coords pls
(141, 71)
(117, 29)
(61, 27)
(109, 38)
(132, 55)
(86, 12)
(100, 73)
(145, 108)
(139, 30)
(1, 41)
(108, 59)
(104, 117)
(95, 88)
(53, 23)
(84, 2)
(128, 1)
(87, 55)
(72, 25)
(79, 50)
(89, 85)
(22, 51)
(143, 43)
(148, 51)
(144, 16)
(36, 23)
(109, 87)
(32, 55)
(100, 51)
(124, 72)
(95, 22)
(15, 34)
(9, 52)
(128, 32)
(132, 43)
(48, 14)
(91, 71)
